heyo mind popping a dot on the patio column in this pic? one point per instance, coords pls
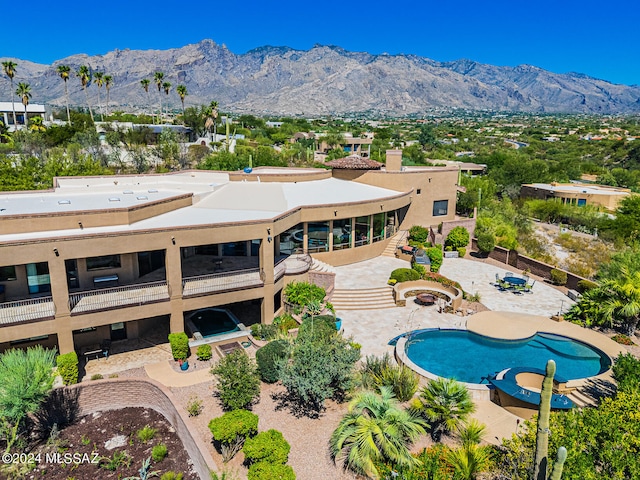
(330, 248)
(59, 288)
(267, 274)
(173, 266)
(305, 237)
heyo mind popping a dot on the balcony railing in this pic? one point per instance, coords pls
(117, 297)
(297, 263)
(279, 269)
(30, 310)
(221, 282)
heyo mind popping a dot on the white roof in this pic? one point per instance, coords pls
(216, 201)
(579, 188)
(31, 108)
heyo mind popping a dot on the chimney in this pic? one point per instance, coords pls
(394, 160)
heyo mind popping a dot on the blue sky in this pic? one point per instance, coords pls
(588, 36)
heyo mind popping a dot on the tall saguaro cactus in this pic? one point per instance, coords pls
(543, 432)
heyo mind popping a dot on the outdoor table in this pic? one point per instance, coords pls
(516, 281)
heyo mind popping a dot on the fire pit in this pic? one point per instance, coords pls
(425, 299)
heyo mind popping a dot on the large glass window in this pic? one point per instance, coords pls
(342, 234)
(318, 237)
(7, 273)
(440, 208)
(362, 231)
(106, 261)
(378, 227)
(71, 266)
(38, 278)
(291, 241)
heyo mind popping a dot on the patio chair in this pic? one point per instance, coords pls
(527, 288)
(509, 274)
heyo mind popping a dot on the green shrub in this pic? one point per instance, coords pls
(238, 382)
(419, 233)
(626, 371)
(486, 242)
(419, 268)
(269, 471)
(171, 476)
(622, 339)
(461, 252)
(404, 275)
(458, 238)
(179, 345)
(435, 255)
(231, 429)
(558, 277)
(285, 323)
(68, 367)
(319, 326)
(269, 359)
(204, 352)
(303, 293)
(584, 285)
(194, 406)
(96, 376)
(269, 446)
(436, 277)
(159, 452)
(146, 433)
(263, 331)
(378, 372)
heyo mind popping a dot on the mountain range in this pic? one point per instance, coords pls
(325, 80)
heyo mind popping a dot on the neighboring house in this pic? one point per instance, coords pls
(6, 113)
(577, 193)
(107, 258)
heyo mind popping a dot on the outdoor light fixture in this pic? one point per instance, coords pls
(335, 213)
(268, 231)
(55, 250)
(269, 239)
(173, 240)
(80, 224)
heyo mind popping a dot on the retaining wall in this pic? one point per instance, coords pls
(114, 394)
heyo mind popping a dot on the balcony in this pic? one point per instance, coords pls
(293, 264)
(30, 310)
(118, 297)
(221, 282)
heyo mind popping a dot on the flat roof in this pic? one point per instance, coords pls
(216, 200)
(579, 188)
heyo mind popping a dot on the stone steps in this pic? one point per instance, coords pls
(322, 267)
(390, 250)
(582, 399)
(363, 299)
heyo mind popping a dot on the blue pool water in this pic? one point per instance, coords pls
(214, 321)
(469, 357)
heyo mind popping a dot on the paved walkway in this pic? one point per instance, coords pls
(164, 373)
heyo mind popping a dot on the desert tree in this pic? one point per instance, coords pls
(63, 72)
(166, 86)
(9, 69)
(98, 78)
(182, 93)
(24, 92)
(108, 83)
(158, 77)
(84, 74)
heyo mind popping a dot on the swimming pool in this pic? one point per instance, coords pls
(214, 321)
(469, 357)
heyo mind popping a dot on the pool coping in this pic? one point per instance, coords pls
(522, 326)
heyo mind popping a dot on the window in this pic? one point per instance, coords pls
(362, 231)
(440, 208)
(582, 202)
(7, 273)
(342, 234)
(418, 191)
(107, 261)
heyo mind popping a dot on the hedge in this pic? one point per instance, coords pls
(269, 446)
(204, 352)
(435, 255)
(558, 277)
(269, 358)
(68, 367)
(404, 275)
(270, 471)
(179, 345)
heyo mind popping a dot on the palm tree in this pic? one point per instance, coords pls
(469, 460)
(84, 74)
(182, 92)
(446, 403)
(24, 91)
(622, 302)
(9, 68)
(145, 84)
(108, 82)
(375, 429)
(214, 116)
(166, 86)
(158, 77)
(99, 81)
(63, 71)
